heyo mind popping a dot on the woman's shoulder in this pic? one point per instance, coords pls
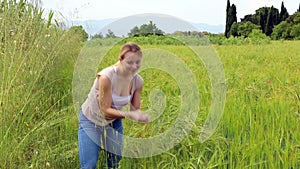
(108, 72)
(138, 80)
(138, 77)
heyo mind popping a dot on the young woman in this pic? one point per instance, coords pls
(101, 114)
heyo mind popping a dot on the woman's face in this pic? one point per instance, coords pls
(132, 62)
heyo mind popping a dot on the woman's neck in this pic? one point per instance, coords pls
(122, 73)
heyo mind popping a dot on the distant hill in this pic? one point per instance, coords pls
(210, 28)
(122, 26)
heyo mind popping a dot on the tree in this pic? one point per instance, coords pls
(283, 13)
(250, 18)
(257, 37)
(294, 19)
(234, 30)
(233, 14)
(135, 31)
(267, 18)
(262, 14)
(145, 30)
(245, 28)
(227, 28)
(288, 29)
(78, 30)
(281, 31)
(295, 31)
(269, 24)
(230, 17)
(98, 35)
(110, 34)
(257, 33)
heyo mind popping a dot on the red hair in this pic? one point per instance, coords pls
(129, 47)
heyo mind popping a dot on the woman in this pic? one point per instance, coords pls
(101, 114)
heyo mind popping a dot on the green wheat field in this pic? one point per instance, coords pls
(259, 127)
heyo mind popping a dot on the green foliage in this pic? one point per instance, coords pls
(234, 41)
(234, 29)
(258, 38)
(102, 41)
(36, 62)
(245, 28)
(230, 18)
(153, 40)
(217, 39)
(80, 32)
(287, 29)
(266, 18)
(272, 20)
(135, 31)
(110, 34)
(296, 19)
(250, 18)
(262, 14)
(176, 39)
(282, 31)
(227, 26)
(97, 35)
(189, 33)
(295, 31)
(193, 40)
(145, 30)
(283, 15)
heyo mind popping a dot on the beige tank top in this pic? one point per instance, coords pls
(91, 108)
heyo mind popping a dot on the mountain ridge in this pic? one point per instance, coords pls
(121, 27)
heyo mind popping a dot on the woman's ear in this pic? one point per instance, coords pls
(121, 58)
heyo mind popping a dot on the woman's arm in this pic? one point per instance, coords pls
(135, 105)
(136, 100)
(105, 98)
(105, 102)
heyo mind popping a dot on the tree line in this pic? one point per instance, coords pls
(143, 30)
(269, 21)
(272, 22)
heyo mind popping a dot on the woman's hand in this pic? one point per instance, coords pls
(138, 116)
(144, 118)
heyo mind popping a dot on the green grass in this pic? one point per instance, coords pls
(35, 98)
(262, 109)
(259, 127)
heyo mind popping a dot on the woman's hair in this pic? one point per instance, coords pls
(129, 47)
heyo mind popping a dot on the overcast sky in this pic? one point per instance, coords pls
(199, 11)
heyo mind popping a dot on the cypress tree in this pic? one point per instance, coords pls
(268, 28)
(234, 30)
(262, 14)
(233, 14)
(227, 27)
(272, 20)
(230, 17)
(283, 13)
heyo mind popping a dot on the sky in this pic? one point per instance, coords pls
(211, 12)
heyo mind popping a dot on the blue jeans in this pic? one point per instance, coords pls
(92, 137)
